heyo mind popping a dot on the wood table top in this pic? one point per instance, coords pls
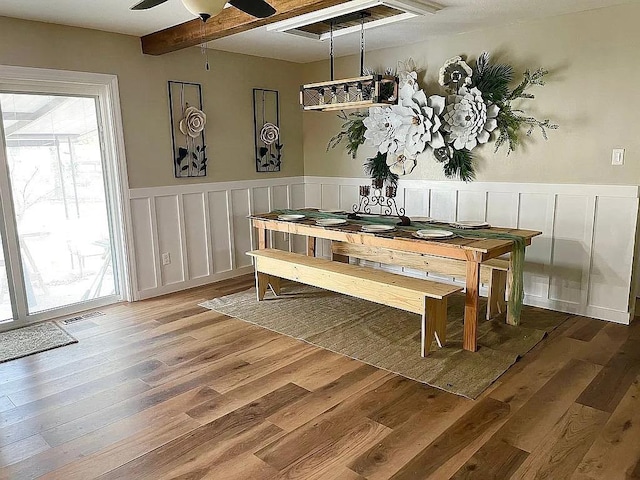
(400, 239)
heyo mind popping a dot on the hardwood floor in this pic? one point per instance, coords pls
(164, 389)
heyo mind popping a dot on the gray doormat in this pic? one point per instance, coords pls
(37, 338)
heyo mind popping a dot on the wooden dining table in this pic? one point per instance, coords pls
(473, 251)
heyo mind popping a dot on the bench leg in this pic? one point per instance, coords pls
(434, 324)
(441, 322)
(275, 284)
(496, 303)
(262, 283)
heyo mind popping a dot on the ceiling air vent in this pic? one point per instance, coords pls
(373, 13)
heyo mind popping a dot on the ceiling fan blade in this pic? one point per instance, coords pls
(145, 4)
(257, 8)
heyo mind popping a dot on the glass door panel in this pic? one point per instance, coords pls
(62, 221)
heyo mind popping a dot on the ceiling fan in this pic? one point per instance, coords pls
(206, 9)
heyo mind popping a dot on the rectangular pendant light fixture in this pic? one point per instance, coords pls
(360, 92)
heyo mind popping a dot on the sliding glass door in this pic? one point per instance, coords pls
(58, 213)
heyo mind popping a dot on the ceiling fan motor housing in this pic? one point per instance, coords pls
(204, 9)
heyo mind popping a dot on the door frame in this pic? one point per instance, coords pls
(104, 87)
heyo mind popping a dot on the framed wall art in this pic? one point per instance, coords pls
(187, 129)
(266, 120)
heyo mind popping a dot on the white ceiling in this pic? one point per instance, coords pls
(456, 16)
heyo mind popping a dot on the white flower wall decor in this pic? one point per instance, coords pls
(193, 122)
(269, 133)
(454, 74)
(468, 119)
(402, 164)
(476, 109)
(386, 128)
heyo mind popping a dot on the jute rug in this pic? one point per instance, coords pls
(389, 338)
(32, 339)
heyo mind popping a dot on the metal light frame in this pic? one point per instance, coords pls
(360, 92)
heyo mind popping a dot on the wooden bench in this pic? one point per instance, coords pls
(493, 272)
(424, 297)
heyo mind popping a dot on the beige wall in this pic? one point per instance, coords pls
(592, 92)
(227, 91)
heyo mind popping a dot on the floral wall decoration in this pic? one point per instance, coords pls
(187, 129)
(476, 108)
(266, 119)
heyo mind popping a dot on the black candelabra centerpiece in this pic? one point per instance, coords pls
(377, 195)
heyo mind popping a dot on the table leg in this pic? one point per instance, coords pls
(311, 246)
(262, 237)
(471, 306)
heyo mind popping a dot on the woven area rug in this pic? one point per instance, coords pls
(389, 338)
(32, 339)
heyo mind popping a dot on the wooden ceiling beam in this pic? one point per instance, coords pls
(228, 22)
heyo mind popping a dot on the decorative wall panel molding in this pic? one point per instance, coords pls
(581, 264)
(204, 229)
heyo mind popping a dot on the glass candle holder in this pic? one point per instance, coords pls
(390, 191)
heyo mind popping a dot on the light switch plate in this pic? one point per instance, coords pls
(617, 156)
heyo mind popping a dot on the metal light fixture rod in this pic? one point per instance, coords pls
(362, 45)
(331, 48)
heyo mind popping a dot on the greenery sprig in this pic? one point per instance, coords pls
(352, 131)
(493, 81)
(460, 165)
(377, 168)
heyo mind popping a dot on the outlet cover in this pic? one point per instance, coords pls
(166, 258)
(617, 156)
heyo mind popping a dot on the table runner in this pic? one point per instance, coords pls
(516, 294)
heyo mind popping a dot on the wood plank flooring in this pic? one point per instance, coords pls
(164, 389)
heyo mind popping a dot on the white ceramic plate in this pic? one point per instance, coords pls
(377, 228)
(292, 217)
(335, 211)
(422, 219)
(432, 234)
(330, 222)
(470, 224)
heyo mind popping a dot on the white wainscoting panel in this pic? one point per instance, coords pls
(197, 246)
(583, 261)
(205, 230)
(147, 265)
